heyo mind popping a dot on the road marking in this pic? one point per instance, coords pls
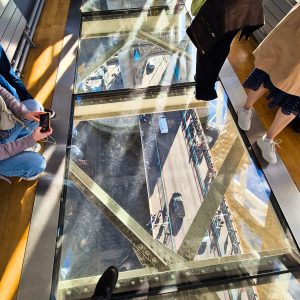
(177, 161)
(190, 219)
(183, 189)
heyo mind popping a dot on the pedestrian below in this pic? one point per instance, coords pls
(277, 71)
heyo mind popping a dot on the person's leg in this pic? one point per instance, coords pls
(9, 74)
(221, 51)
(296, 124)
(267, 143)
(5, 84)
(280, 121)
(204, 78)
(25, 165)
(13, 79)
(5, 65)
(253, 96)
(18, 84)
(19, 131)
(208, 67)
(245, 112)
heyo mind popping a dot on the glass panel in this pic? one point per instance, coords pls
(159, 184)
(135, 50)
(166, 193)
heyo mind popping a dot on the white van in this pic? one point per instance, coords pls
(163, 125)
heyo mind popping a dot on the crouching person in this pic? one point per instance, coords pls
(19, 155)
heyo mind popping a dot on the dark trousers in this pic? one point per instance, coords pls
(296, 124)
(9, 79)
(209, 65)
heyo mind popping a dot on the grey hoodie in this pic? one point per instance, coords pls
(10, 149)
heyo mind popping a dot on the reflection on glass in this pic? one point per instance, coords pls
(149, 191)
(159, 184)
(138, 51)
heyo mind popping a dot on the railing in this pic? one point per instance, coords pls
(26, 41)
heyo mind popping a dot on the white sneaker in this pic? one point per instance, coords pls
(36, 148)
(268, 150)
(244, 118)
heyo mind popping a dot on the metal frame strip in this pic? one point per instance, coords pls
(204, 272)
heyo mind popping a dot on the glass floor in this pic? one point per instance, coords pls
(159, 184)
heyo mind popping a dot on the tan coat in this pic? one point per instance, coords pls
(279, 54)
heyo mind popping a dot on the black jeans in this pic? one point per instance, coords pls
(209, 65)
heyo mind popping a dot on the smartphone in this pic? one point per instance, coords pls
(45, 122)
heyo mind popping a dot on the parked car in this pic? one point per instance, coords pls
(149, 68)
(163, 125)
(177, 206)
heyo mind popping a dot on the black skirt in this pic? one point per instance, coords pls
(289, 104)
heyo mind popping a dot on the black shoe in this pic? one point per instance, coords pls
(51, 112)
(106, 284)
(206, 96)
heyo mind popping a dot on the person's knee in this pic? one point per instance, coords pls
(33, 163)
(33, 105)
(39, 163)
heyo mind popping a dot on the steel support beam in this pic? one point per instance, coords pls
(143, 22)
(153, 252)
(164, 45)
(211, 202)
(199, 273)
(103, 105)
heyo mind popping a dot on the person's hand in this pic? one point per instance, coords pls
(37, 135)
(33, 116)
